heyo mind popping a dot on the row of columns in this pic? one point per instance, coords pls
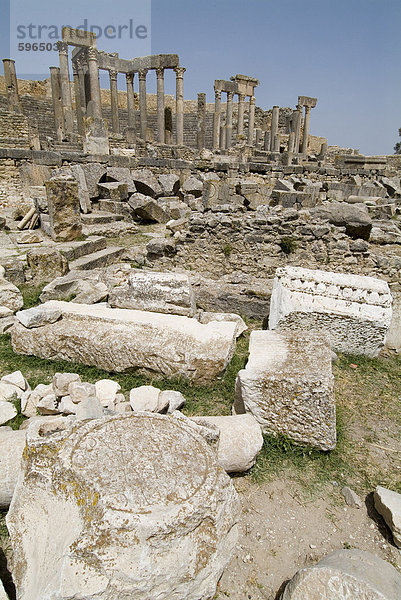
(225, 140)
(88, 96)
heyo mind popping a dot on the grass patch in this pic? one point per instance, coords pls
(288, 244)
(31, 294)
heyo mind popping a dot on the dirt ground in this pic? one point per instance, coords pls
(282, 531)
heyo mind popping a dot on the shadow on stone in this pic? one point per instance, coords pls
(6, 577)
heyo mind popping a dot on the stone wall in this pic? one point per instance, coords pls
(14, 130)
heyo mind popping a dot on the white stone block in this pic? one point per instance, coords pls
(288, 386)
(354, 310)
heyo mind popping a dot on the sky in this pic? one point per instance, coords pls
(346, 53)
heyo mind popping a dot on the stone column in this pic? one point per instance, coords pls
(82, 91)
(93, 67)
(179, 103)
(201, 124)
(78, 102)
(266, 145)
(216, 119)
(65, 87)
(10, 76)
(222, 140)
(251, 124)
(241, 109)
(259, 137)
(305, 137)
(115, 125)
(297, 127)
(229, 120)
(130, 99)
(64, 209)
(142, 102)
(57, 102)
(274, 126)
(291, 142)
(160, 105)
(276, 143)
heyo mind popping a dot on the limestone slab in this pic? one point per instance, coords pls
(118, 339)
(354, 310)
(156, 292)
(288, 386)
(12, 444)
(388, 505)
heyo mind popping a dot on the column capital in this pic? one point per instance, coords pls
(129, 77)
(217, 94)
(54, 69)
(299, 107)
(8, 60)
(179, 71)
(62, 47)
(142, 74)
(74, 69)
(230, 96)
(92, 53)
(159, 72)
(113, 74)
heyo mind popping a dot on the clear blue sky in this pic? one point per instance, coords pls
(347, 53)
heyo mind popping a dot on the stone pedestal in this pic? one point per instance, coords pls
(142, 101)
(274, 127)
(57, 102)
(64, 208)
(201, 124)
(251, 124)
(229, 120)
(115, 125)
(179, 111)
(10, 76)
(216, 119)
(95, 137)
(65, 87)
(160, 105)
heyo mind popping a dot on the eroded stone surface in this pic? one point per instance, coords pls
(346, 575)
(388, 505)
(288, 386)
(134, 506)
(118, 339)
(157, 292)
(12, 444)
(354, 310)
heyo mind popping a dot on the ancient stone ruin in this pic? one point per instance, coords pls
(153, 234)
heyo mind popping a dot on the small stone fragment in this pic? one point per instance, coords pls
(388, 505)
(37, 317)
(144, 398)
(351, 498)
(175, 400)
(48, 405)
(106, 391)
(61, 382)
(79, 391)
(88, 409)
(7, 411)
(16, 379)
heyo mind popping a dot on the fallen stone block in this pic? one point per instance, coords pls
(165, 535)
(288, 386)
(118, 339)
(37, 317)
(239, 443)
(388, 505)
(346, 575)
(10, 296)
(64, 208)
(355, 311)
(113, 190)
(46, 264)
(146, 183)
(62, 381)
(193, 185)
(148, 209)
(7, 411)
(106, 391)
(147, 398)
(12, 444)
(156, 292)
(354, 217)
(170, 184)
(207, 317)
